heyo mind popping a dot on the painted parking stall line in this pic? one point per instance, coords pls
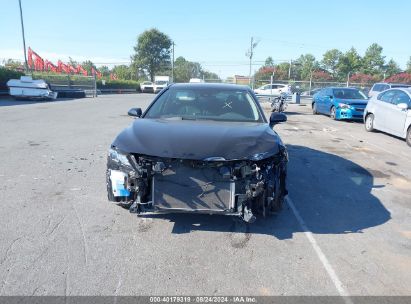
(330, 270)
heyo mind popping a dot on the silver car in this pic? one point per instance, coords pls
(382, 86)
(390, 112)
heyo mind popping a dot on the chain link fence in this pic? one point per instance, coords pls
(309, 88)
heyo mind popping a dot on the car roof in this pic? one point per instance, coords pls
(283, 84)
(393, 83)
(349, 88)
(209, 86)
(407, 89)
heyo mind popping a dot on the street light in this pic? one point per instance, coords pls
(24, 40)
(250, 54)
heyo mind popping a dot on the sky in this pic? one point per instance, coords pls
(215, 33)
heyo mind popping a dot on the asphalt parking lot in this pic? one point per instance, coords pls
(345, 229)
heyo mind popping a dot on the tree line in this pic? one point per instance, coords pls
(338, 66)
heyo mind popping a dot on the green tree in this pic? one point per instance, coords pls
(392, 68)
(304, 65)
(152, 52)
(349, 62)
(330, 61)
(72, 62)
(87, 65)
(281, 71)
(269, 61)
(409, 65)
(210, 76)
(122, 71)
(104, 70)
(13, 64)
(373, 60)
(184, 70)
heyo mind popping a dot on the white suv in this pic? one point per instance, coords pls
(274, 89)
(390, 112)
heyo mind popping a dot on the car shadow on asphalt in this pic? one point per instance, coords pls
(332, 195)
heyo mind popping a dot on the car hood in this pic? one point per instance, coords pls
(198, 140)
(352, 101)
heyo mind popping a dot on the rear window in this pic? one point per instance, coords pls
(380, 87)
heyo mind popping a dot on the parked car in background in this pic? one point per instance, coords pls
(382, 86)
(310, 93)
(390, 112)
(147, 87)
(340, 103)
(274, 89)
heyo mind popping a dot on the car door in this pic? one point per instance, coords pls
(395, 117)
(274, 89)
(318, 98)
(383, 106)
(327, 101)
(280, 89)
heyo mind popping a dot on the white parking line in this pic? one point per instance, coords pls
(331, 272)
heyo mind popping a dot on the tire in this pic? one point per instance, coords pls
(369, 123)
(314, 106)
(408, 139)
(333, 114)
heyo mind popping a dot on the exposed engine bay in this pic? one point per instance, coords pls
(243, 188)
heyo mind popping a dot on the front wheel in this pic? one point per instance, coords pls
(409, 136)
(315, 112)
(369, 123)
(333, 113)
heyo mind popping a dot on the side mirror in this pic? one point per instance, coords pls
(330, 96)
(276, 118)
(135, 112)
(402, 106)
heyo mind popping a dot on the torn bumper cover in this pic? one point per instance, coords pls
(241, 188)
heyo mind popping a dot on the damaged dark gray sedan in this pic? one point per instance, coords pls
(200, 148)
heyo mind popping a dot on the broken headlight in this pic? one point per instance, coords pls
(119, 159)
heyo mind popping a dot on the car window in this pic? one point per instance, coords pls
(400, 97)
(386, 96)
(385, 87)
(345, 93)
(274, 86)
(206, 104)
(377, 88)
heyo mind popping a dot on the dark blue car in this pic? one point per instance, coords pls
(340, 103)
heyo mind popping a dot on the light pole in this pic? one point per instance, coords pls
(24, 39)
(348, 79)
(311, 79)
(249, 54)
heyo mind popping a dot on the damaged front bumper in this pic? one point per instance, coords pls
(241, 188)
